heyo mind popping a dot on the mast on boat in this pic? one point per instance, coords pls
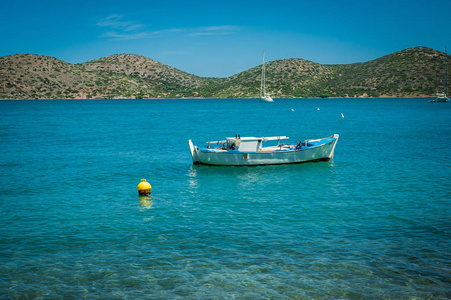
(262, 86)
(446, 74)
(263, 96)
(443, 96)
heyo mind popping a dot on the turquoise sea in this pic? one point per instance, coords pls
(373, 224)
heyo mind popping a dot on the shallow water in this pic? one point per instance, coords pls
(374, 223)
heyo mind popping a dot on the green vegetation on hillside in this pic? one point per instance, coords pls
(412, 72)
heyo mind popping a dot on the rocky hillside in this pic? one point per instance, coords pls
(412, 72)
(417, 71)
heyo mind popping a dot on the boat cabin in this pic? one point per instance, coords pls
(247, 144)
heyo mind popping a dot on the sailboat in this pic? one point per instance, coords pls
(443, 96)
(264, 97)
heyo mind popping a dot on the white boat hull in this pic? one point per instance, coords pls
(266, 99)
(443, 98)
(321, 150)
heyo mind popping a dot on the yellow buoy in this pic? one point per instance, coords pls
(144, 187)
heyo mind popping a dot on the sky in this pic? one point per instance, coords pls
(223, 38)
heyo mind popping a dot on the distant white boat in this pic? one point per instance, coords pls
(249, 151)
(443, 96)
(264, 97)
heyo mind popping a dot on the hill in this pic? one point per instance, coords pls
(412, 72)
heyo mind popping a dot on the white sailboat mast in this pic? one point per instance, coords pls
(446, 73)
(262, 87)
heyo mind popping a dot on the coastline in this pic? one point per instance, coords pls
(200, 98)
(128, 76)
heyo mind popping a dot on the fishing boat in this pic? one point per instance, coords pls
(249, 151)
(443, 96)
(264, 97)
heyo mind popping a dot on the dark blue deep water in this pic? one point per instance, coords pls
(373, 224)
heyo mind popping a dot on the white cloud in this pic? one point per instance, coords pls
(214, 30)
(126, 36)
(219, 28)
(115, 21)
(122, 29)
(118, 28)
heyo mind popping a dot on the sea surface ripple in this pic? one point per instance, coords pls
(373, 224)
